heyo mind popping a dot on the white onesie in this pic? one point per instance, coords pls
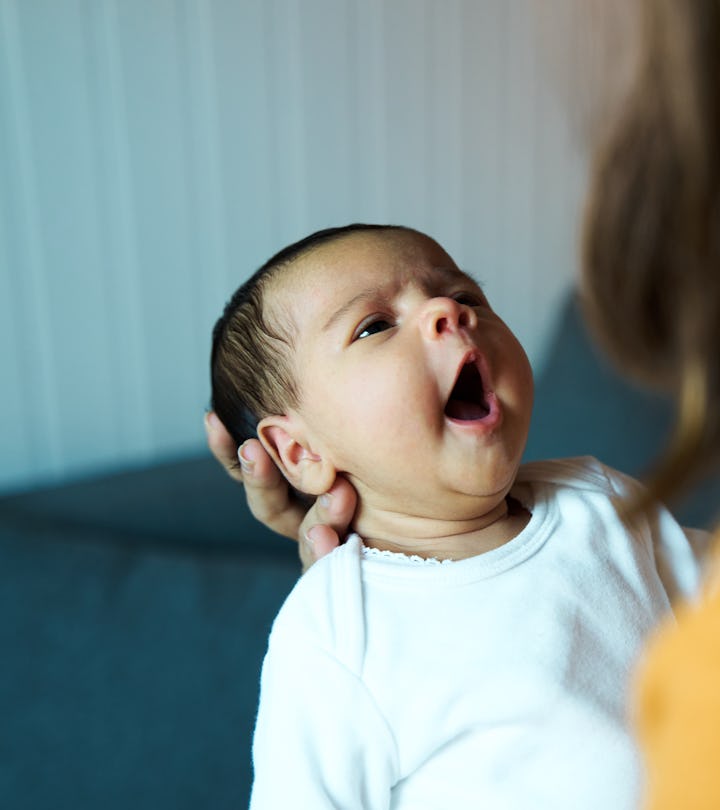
(496, 683)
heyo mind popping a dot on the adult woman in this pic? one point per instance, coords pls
(651, 278)
(651, 282)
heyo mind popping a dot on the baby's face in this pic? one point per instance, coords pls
(409, 382)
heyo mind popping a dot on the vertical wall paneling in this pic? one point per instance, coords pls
(152, 155)
(151, 54)
(479, 211)
(121, 270)
(244, 55)
(517, 167)
(27, 269)
(444, 126)
(209, 259)
(15, 440)
(14, 393)
(406, 111)
(367, 100)
(289, 214)
(559, 161)
(206, 233)
(71, 217)
(326, 112)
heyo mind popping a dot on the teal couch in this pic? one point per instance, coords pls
(134, 609)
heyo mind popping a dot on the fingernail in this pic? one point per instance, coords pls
(309, 539)
(246, 463)
(325, 500)
(212, 421)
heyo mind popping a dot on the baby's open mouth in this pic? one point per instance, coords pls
(467, 400)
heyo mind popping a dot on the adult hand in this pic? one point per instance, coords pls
(271, 501)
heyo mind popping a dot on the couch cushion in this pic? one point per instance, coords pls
(186, 502)
(130, 672)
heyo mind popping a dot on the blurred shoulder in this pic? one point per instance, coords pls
(583, 473)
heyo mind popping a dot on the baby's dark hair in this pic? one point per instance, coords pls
(250, 363)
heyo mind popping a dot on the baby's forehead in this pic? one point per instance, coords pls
(392, 258)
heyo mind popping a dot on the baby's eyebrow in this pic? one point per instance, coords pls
(451, 274)
(370, 294)
(446, 274)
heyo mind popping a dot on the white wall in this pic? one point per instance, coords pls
(153, 154)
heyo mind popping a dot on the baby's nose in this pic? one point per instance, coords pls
(443, 316)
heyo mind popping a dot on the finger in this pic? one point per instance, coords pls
(334, 509)
(222, 445)
(268, 495)
(319, 541)
(267, 492)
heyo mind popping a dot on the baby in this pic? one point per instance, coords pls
(469, 645)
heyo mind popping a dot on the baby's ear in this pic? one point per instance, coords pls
(285, 439)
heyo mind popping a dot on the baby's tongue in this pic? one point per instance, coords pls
(459, 409)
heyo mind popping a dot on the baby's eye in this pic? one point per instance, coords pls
(372, 326)
(470, 299)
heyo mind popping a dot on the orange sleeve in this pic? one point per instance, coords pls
(678, 710)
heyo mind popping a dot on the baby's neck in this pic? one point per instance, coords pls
(443, 539)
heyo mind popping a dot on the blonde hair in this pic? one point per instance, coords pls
(651, 242)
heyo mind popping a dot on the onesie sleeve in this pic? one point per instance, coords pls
(320, 740)
(681, 555)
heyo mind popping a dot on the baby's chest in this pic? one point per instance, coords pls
(487, 670)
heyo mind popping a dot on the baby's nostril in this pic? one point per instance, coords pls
(441, 325)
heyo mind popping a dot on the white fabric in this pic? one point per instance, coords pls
(497, 682)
